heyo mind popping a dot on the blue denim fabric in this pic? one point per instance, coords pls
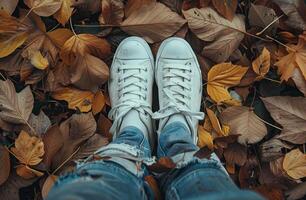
(193, 178)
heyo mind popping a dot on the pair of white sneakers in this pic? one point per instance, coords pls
(178, 77)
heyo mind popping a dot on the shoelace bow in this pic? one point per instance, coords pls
(132, 94)
(177, 95)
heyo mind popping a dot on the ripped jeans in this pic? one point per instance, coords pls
(121, 176)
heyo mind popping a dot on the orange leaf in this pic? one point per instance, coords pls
(26, 172)
(64, 13)
(44, 8)
(98, 102)
(48, 184)
(295, 164)
(226, 8)
(76, 99)
(28, 150)
(261, 65)
(204, 138)
(215, 122)
(154, 186)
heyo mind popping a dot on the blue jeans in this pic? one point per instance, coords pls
(121, 176)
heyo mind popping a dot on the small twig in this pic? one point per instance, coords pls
(279, 42)
(275, 20)
(269, 123)
(65, 161)
(253, 100)
(2, 76)
(71, 26)
(276, 81)
(27, 14)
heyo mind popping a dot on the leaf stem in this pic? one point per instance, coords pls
(276, 81)
(65, 161)
(269, 123)
(279, 42)
(275, 20)
(71, 26)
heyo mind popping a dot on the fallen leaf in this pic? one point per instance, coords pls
(154, 22)
(76, 99)
(38, 61)
(64, 13)
(103, 127)
(44, 8)
(243, 121)
(263, 17)
(296, 193)
(215, 122)
(226, 8)
(75, 130)
(296, 58)
(235, 153)
(270, 192)
(204, 152)
(221, 77)
(5, 164)
(273, 149)
(13, 34)
(230, 168)
(48, 184)
(88, 72)
(79, 45)
(204, 138)
(290, 112)
(28, 149)
(133, 5)
(8, 5)
(299, 80)
(93, 6)
(112, 12)
(40, 123)
(276, 167)
(291, 9)
(224, 36)
(295, 164)
(153, 184)
(60, 36)
(15, 107)
(98, 102)
(27, 172)
(163, 164)
(261, 64)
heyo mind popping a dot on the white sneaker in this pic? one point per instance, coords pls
(130, 87)
(179, 81)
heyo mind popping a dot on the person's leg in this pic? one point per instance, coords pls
(120, 172)
(179, 81)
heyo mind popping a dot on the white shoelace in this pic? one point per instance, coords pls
(132, 91)
(177, 89)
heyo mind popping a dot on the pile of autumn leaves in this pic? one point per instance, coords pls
(72, 67)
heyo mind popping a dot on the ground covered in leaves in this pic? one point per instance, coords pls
(54, 66)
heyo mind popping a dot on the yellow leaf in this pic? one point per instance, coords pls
(38, 61)
(295, 164)
(215, 122)
(64, 13)
(28, 149)
(60, 36)
(221, 77)
(76, 99)
(44, 8)
(27, 172)
(204, 138)
(98, 102)
(296, 58)
(261, 65)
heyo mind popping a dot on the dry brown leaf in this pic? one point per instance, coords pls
(235, 153)
(204, 138)
(98, 102)
(270, 192)
(64, 13)
(79, 45)
(296, 58)
(296, 193)
(276, 167)
(88, 72)
(5, 164)
(290, 112)
(262, 16)
(60, 36)
(226, 8)
(154, 22)
(230, 168)
(8, 5)
(225, 36)
(163, 164)
(93, 6)
(28, 149)
(295, 164)
(221, 77)
(273, 149)
(76, 99)
(13, 34)
(104, 125)
(44, 8)
(53, 141)
(153, 184)
(75, 130)
(112, 12)
(299, 80)
(27, 172)
(215, 122)
(133, 5)
(261, 64)
(15, 107)
(48, 184)
(242, 120)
